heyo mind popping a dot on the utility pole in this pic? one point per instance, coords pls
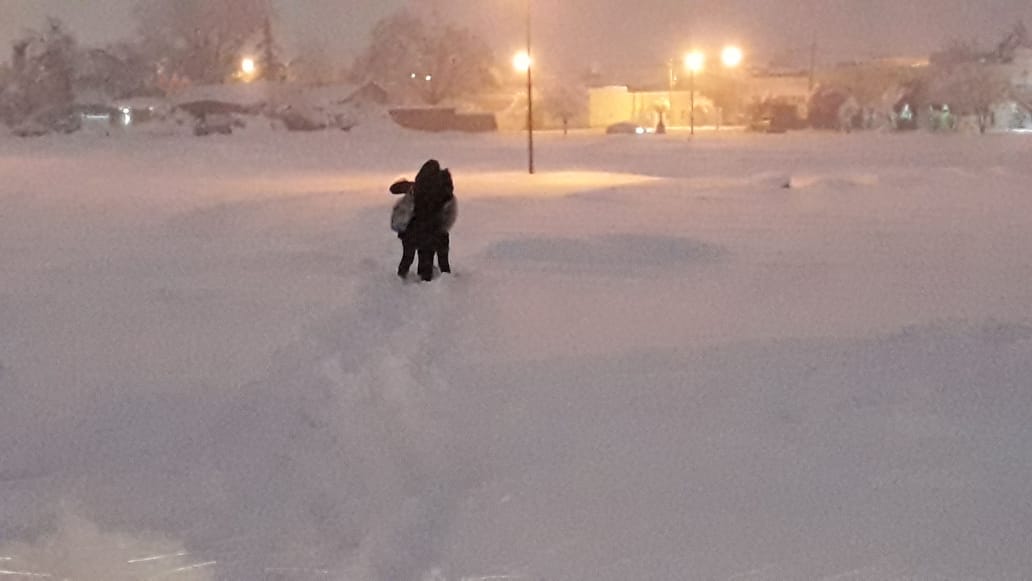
(813, 61)
(815, 14)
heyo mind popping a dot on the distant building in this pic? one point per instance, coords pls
(615, 104)
(762, 87)
(736, 91)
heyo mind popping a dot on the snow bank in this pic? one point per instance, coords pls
(809, 181)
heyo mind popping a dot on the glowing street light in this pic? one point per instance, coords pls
(694, 61)
(522, 61)
(731, 56)
(248, 66)
(527, 63)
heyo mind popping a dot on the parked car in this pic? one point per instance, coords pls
(765, 124)
(625, 128)
(295, 119)
(216, 123)
(770, 123)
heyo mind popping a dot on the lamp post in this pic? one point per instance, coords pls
(694, 62)
(732, 56)
(530, 100)
(523, 63)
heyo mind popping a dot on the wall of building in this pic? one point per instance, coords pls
(609, 105)
(787, 88)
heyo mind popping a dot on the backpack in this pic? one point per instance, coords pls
(450, 209)
(402, 213)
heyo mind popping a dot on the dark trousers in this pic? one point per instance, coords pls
(439, 245)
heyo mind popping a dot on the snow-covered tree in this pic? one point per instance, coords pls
(118, 70)
(971, 89)
(417, 55)
(313, 65)
(875, 87)
(270, 65)
(199, 40)
(43, 73)
(971, 81)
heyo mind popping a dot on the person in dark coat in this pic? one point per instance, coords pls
(433, 212)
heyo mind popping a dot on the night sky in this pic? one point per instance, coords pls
(611, 32)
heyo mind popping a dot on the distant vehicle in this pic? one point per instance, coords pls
(776, 121)
(625, 128)
(767, 124)
(216, 124)
(775, 117)
(297, 120)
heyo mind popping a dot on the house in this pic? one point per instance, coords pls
(370, 93)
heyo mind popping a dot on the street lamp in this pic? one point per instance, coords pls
(528, 61)
(731, 56)
(694, 62)
(521, 62)
(248, 69)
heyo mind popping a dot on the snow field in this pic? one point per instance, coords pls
(656, 361)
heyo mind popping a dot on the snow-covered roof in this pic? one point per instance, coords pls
(259, 92)
(236, 93)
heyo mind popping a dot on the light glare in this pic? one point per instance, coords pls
(694, 61)
(732, 56)
(248, 66)
(522, 61)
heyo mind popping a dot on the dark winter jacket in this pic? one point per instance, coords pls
(435, 207)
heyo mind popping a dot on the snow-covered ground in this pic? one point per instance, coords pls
(655, 361)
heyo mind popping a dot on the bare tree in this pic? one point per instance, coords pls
(417, 55)
(724, 90)
(200, 40)
(971, 88)
(270, 64)
(1018, 38)
(955, 53)
(566, 102)
(313, 65)
(6, 73)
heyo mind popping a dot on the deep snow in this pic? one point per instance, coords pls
(656, 361)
